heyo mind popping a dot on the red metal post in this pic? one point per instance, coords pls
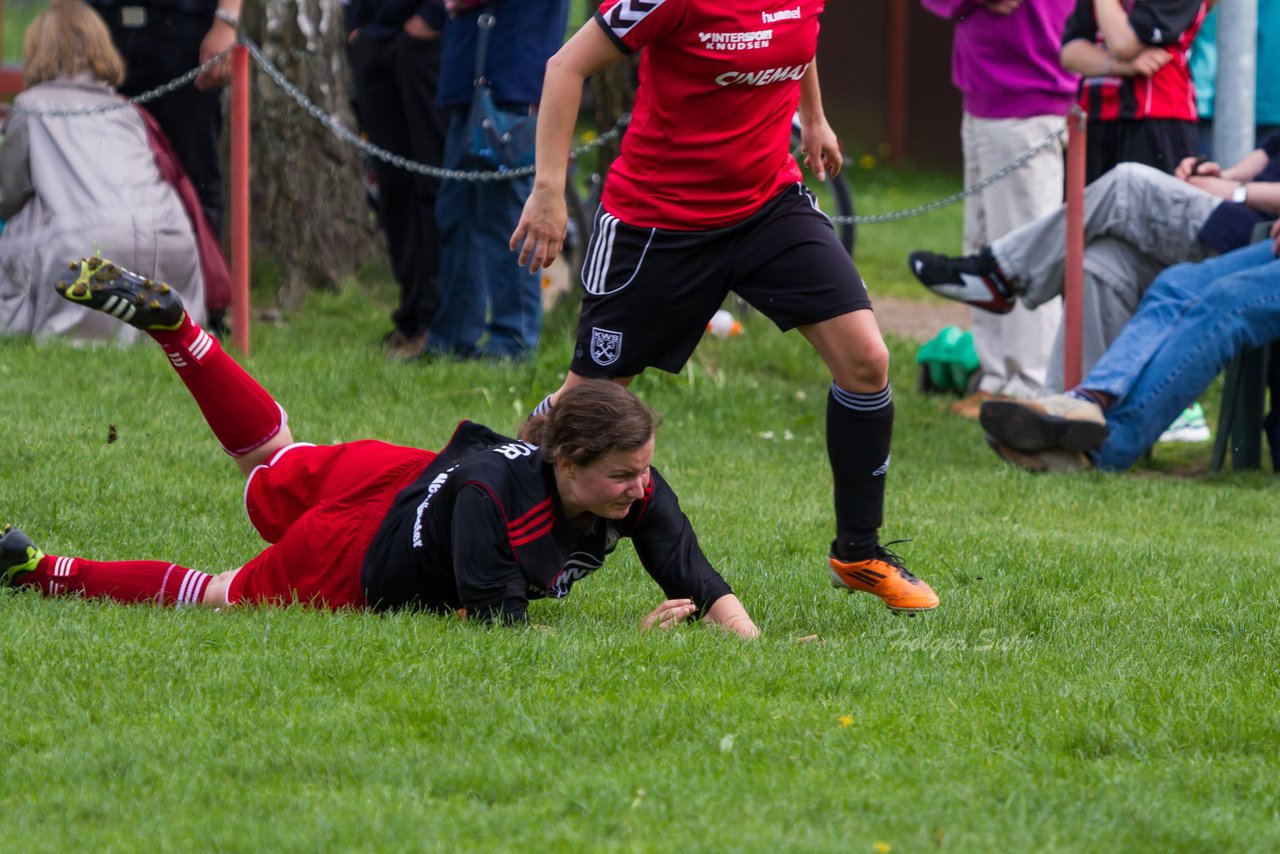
(1073, 283)
(240, 197)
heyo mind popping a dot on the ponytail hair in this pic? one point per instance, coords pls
(589, 420)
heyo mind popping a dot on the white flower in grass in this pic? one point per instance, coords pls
(767, 434)
(726, 743)
(787, 435)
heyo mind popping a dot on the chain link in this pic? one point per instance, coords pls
(150, 95)
(335, 125)
(963, 194)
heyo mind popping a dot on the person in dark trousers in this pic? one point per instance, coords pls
(479, 528)
(160, 41)
(395, 47)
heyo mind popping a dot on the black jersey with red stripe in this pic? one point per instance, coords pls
(1167, 94)
(483, 530)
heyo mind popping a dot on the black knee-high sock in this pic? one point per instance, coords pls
(859, 432)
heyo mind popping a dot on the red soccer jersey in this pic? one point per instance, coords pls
(1167, 94)
(709, 139)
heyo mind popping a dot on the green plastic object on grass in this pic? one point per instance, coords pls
(947, 361)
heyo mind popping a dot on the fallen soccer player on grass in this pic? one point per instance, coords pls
(479, 528)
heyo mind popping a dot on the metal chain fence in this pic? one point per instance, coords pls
(340, 130)
(149, 95)
(971, 190)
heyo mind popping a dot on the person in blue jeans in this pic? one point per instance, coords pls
(490, 306)
(1193, 320)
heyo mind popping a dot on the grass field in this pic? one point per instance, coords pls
(1100, 676)
(16, 15)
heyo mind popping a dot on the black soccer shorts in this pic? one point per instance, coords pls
(649, 292)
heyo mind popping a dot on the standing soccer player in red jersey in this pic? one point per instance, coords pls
(706, 199)
(479, 528)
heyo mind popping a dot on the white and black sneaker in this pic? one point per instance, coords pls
(140, 302)
(17, 555)
(972, 279)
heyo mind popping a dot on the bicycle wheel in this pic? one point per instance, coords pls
(835, 196)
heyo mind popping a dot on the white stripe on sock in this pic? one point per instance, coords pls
(197, 581)
(198, 588)
(862, 402)
(182, 588)
(200, 347)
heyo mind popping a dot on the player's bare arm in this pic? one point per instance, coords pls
(539, 235)
(1117, 32)
(818, 141)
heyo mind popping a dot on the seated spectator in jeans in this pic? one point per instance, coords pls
(1137, 221)
(89, 179)
(1194, 319)
(485, 294)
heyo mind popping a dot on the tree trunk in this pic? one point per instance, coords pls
(615, 94)
(307, 206)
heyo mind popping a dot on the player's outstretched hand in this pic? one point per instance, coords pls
(670, 613)
(539, 236)
(822, 153)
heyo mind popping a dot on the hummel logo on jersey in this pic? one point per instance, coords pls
(762, 78)
(784, 15)
(736, 41)
(628, 13)
(606, 346)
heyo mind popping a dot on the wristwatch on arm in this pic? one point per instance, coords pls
(1240, 193)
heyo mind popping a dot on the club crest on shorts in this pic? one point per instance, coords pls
(606, 346)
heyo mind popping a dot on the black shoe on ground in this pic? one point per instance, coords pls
(138, 301)
(972, 279)
(17, 554)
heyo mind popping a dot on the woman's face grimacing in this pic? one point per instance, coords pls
(607, 486)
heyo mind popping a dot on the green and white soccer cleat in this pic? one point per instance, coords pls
(140, 302)
(17, 554)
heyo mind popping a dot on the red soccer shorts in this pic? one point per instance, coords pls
(320, 506)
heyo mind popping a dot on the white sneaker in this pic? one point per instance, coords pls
(1189, 426)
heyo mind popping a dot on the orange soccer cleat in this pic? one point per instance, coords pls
(886, 577)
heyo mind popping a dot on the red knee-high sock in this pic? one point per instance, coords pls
(125, 580)
(240, 412)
